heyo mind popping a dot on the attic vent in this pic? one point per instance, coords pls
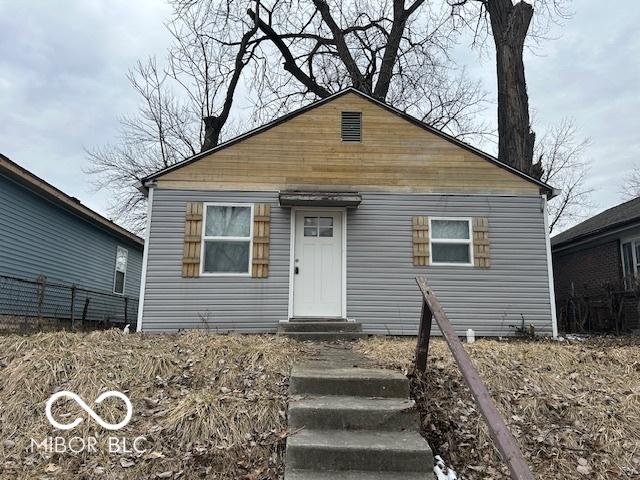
(351, 126)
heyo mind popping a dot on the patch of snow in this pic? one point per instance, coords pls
(442, 471)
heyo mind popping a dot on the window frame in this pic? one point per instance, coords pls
(317, 227)
(115, 271)
(458, 241)
(204, 238)
(627, 278)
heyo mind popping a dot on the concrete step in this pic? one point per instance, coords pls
(358, 382)
(323, 450)
(324, 336)
(317, 319)
(319, 326)
(334, 475)
(353, 413)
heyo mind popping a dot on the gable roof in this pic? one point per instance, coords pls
(35, 183)
(621, 215)
(543, 186)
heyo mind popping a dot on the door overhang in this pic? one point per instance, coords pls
(320, 199)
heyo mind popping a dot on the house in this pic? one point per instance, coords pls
(330, 212)
(596, 263)
(61, 261)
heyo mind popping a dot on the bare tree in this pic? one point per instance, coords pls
(184, 108)
(157, 136)
(394, 50)
(631, 185)
(283, 55)
(562, 156)
(510, 25)
(205, 64)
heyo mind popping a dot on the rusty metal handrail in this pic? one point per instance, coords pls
(498, 429)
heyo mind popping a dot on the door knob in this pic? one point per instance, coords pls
(297, 270)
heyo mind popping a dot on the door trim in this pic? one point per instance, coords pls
(292, 245)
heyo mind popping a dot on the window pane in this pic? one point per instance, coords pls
(326, 221)
(119, 283)
(458, 229)
(310, 231)
(310, 221)
(628, 259)
(450, 253)
(228, 221)
(121, 260)
(326, 231)
(226, 257)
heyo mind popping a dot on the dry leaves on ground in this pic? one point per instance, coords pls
(574, 407)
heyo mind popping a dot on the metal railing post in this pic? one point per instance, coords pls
(41, 285)
(424, 334)
(85, 309)
(73, 307)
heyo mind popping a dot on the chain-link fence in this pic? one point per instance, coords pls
(41, 299)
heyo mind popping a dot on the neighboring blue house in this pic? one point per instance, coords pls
(55, 253)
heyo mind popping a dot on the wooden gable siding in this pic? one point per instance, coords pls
(306, 152)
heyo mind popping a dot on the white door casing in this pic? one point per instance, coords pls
(317, 268)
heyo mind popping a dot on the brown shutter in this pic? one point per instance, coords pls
(481, 245)
(420, 230)
(192, 240)
(261, 231)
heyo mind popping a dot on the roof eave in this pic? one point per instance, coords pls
(142, 188)
(48, 191)
(595, 234)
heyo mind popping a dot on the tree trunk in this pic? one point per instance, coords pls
(510, 24)
(212, 128)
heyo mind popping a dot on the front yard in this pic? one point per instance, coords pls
(214, 406)
(209, 406)
(574, 408)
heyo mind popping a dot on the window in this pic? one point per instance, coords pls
(318, 226)
(351, 126)
(120, 274)
(450, 241)
(630, 261)
(226, 240)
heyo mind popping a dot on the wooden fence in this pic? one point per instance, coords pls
(498, 429)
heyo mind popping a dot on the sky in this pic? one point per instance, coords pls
(63, 83)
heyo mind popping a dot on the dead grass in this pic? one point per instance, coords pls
(208, 405)
(575, 408)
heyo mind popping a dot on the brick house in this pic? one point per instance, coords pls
(595, 266)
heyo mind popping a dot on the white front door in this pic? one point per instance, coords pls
(317, 268)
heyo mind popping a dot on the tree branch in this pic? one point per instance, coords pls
(357, 77)
(289, 62)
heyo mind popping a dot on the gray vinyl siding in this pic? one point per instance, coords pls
(218, 304)
(39, 237)
(381, 290)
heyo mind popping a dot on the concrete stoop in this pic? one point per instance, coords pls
(328, 330)
(307, 475)
(353, 424)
